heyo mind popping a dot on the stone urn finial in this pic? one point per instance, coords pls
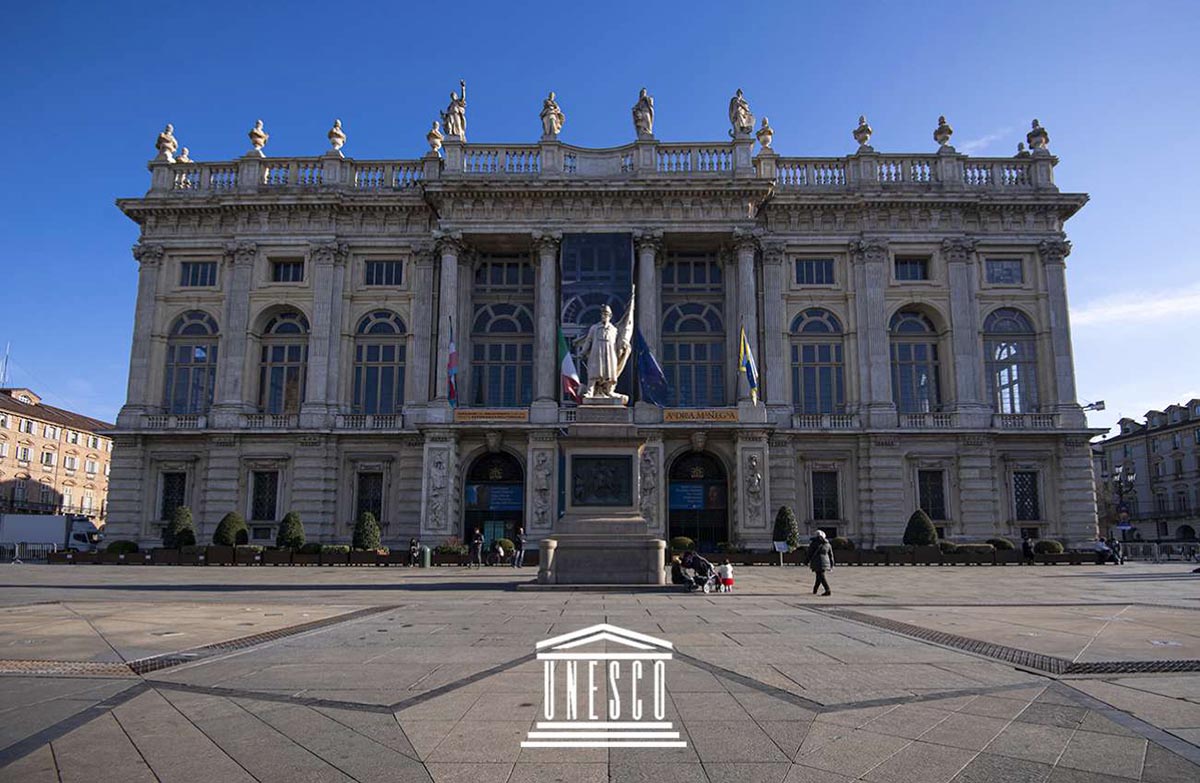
(434, 137)
(765, 134)
(943, 132)
(1038, 139)
(862, 134)
(1021, 151)
(337, 137)
(166, 144)
(258, 138)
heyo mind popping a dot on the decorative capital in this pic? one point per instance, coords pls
(547, 243)
(773, 253)
(329, 253)
(543, 436)
(1054, 251)
(869, 250)
(957, 250)
(241, 252)
(649, 242)
(423, 254)
(745, 241)
(148, 255)
(449, 244)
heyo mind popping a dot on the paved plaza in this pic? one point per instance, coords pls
(1015, 674)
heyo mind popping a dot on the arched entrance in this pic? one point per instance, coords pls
(1186, 533)
(494, 497)
(698, 500)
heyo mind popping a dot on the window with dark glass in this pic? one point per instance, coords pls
(915, 366)
(1025, 495)
(368, 496)
(379, 359)
(283, 363)
(825, 495)
(814, 271)
(174, 493)
(191, 372)
(1010, 356)
(197, 274)
(287, 270)
(1030, 532)
(501, 368)
(818, 383)
(1004, 271)
(385, 273)
(931, 493)
(264, 495)
(912, 268)
(693, 330)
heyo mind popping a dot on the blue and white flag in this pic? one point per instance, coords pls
(650, 372)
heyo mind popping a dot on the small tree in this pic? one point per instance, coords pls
(231, 530)
(180, 531)
(291, 532)
(920, 530)
(366, 532)
(786, 528)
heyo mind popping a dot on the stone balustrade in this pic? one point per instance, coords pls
(643, 160)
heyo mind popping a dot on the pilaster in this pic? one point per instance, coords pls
(328, 262)
(417, 381)
(541, 484)
(774, 369)
(1053, 254)
(870, 257)
(439, 493)
(137, 402)
(963, 278)
(545, 309)
(652, 483)
(448, 249)
(746, 246)
(753, 498)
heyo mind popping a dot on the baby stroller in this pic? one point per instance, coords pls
(704, 573)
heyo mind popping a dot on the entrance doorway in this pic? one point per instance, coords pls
(494, 497)
(698, 500)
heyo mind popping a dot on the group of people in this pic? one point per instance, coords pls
(697, 573)
(496, 553)
(1108, 551)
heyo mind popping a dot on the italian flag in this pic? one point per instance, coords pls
(570, 376)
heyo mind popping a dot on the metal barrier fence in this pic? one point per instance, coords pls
(1161, 553)
(27, 553)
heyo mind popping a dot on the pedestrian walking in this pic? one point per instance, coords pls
(1027, 549)
(1114, 547)
(820, 560)
(476, 558)
(518, 560)
(414, 552)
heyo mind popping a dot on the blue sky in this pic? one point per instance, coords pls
(87, 86)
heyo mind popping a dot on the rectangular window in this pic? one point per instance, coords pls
(20, 488)
(814, 271)
(70, 463)
(46, 496)
(23, 454)
(3, 450)
(51, 432)
(1005, 271)
(198, 274)
(93, 442)
(912, 268)
(289, 270)
(369, 495)
(3, 421)
(259, 533)
(1031, 532)
(264, 494)
(88, 499)
(174, 493)
(825, 495)
(1026, 499)
(89, 466)
(48, 458)
(73, 437)
(1176, 441)
(389, 273)
(26, 426)
(1178, 468)
(1196, 435)
(931, 492)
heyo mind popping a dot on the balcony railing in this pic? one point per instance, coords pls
(173, 422)
(927, 421)
(825, 421)
(269, 421)
(1024, 421)
(369, 421)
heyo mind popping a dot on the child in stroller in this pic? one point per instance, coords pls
(704, 573)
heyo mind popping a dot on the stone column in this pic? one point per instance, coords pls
(1053, 254)
(439, 491)
(545, 337)
(416, 382)
(448, 250)
(649, 303)
(328, 260)
(541, 484)
(137, 401)
(746, 246)
(774, 363)
(971, 403)
(874, 359)
(235, 333)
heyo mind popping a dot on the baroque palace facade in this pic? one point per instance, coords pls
(296, 316)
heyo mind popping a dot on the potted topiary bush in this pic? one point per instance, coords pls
(291, 532)
(1050, 551)
(334, 554)
(307, 554)
(231, 531)
(978, 554)
(921, 535)
(786, 530)
(682, 544)
(365, 541)
(120, 552)
(180, 531)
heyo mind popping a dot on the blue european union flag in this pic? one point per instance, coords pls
(650, 372)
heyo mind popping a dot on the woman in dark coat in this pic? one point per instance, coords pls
(820, 560)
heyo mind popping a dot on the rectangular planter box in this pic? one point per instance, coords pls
(447, 560)
(397, 557)
(59, 558)
(165, 557)
(277, 557)
(1007, 556)
(927, 555)
(333, 558)
(1063, 559)
(192, 558)
(871, 557)
(365, 558)
(955, 558)
(219, 556)
(305, 559)
(246, 556)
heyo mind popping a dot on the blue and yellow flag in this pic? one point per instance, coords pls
(749, 368)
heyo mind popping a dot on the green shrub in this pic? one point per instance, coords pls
(786, 528)
(251, 549)
(1001, 544)
(366, 532)
(1047, 546)
(920, 530)
(978, 549)
(291, 532)
(231, 530)
(180, 532)
(333, 549)
(192, 549)
(731, 547)
(842, 543)
(122, 547)
(506, 545)
(451, 546)
(682, 544)
(947, 547)
(309, 549)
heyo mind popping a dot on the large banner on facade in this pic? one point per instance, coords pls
(596, 270)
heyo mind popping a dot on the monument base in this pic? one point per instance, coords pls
(615, 550)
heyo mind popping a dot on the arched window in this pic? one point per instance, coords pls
(502, 356)
(283, 364)
(1010, 356)
(817, 366)
(915, 370)
(693, 330)
(191, 371)
(379, 356)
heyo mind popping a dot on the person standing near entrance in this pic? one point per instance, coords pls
(820, 560)
(518, 560)
(476, 550)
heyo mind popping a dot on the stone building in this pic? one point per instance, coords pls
(1162, 454)
(52, 461)
(907, 312)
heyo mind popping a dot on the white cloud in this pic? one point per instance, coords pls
(1138, 307)
(972, 146)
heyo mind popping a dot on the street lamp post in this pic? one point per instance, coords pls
(1123, 486)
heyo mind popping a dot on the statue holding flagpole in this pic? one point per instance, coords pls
(607, 347)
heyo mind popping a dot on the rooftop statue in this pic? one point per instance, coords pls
(607, 347)
(434, 137)
(552, 117)
(943, 132)
(765, 134)
(166, 144)
(643, 115)
(739, 115)
(1037, 138)
(337, 137)
(455, 115)
(182, 157)
(862, 134)
(1021, 151)
(258, 137)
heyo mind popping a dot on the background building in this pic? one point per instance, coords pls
(1162, 454)
(52, 461)
(295, 317)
